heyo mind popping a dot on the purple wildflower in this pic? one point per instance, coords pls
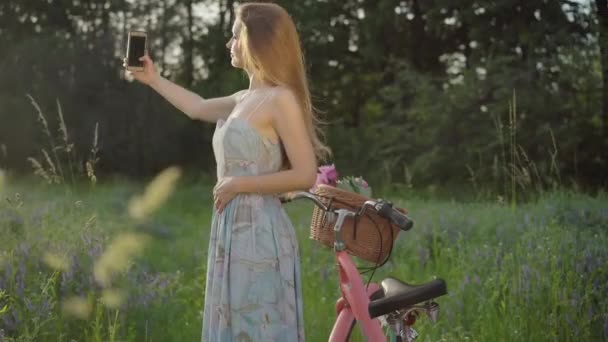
(29, 305)
(324, 274)
(465, 282)
(423, 255)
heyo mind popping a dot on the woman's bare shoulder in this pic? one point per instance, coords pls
(287, 109)
(285, 98)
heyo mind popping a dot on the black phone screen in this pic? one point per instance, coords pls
(137, 47)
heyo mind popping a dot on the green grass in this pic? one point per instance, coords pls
(536, 272)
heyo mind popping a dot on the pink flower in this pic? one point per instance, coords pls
(321, 179)
(330, 174)
(327, 175)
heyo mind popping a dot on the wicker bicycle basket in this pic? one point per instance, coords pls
(368, 236)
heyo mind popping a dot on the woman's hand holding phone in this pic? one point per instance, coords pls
(148, 75)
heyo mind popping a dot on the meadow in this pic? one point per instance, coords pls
(76, 266)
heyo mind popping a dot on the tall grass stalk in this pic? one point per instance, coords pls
(554, 166)
(500, 168)
(47, 131)
(513, 146)
(516, 173)
(52, 169)
(68, 146)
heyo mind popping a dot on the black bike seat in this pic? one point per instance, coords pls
(395, 294)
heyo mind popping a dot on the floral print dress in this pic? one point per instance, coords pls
(253, 290)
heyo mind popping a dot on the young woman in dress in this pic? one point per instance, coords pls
(265, 143)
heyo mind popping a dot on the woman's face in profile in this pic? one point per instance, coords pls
(234, 46)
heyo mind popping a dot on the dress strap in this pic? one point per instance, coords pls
(253, 112)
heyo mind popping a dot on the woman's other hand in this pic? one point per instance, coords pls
(224, 191)
(146, 76)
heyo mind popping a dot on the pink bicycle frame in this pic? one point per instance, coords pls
(354, 303)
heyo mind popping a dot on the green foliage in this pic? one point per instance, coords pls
(534, 272)
(415, 91)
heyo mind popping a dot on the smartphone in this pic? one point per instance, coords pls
(137, 43)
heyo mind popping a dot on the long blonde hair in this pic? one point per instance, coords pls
(271, 49)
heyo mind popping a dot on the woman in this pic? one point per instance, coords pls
(265, 143)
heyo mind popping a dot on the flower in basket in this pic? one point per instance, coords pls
(355, 184)
(329, 175)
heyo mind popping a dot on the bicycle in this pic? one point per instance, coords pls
(393, 303)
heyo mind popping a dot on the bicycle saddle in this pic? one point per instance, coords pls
(395, 294)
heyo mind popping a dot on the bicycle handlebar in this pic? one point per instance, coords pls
(386, 210)
(305, 194)
(382, 207)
